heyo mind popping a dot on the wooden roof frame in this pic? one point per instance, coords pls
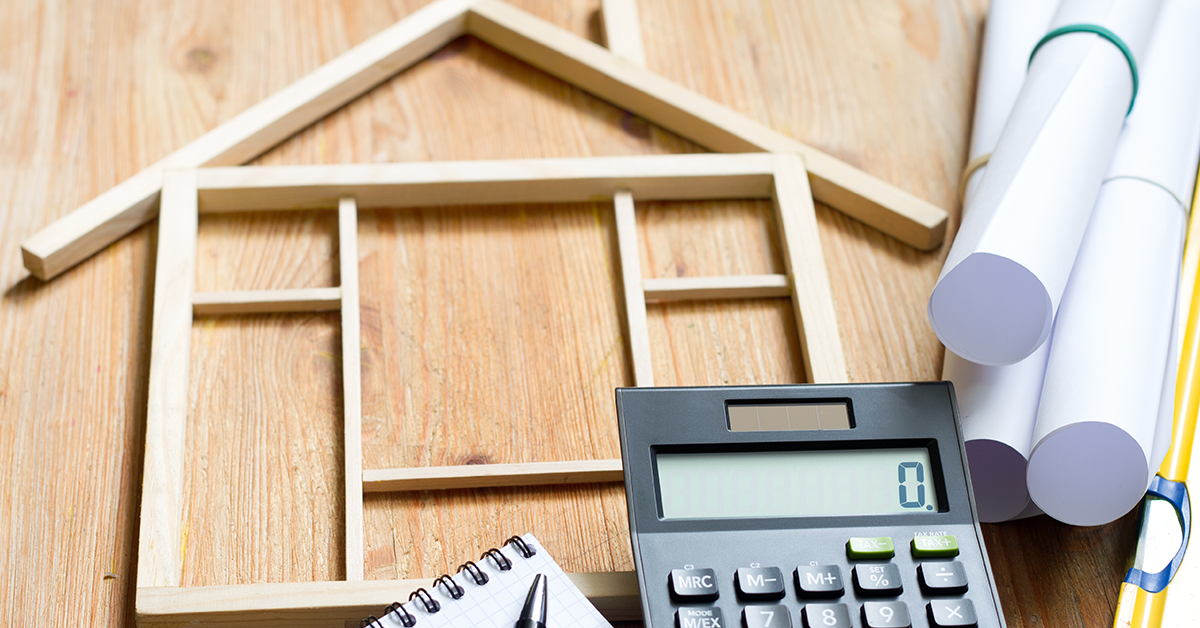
(134, 202)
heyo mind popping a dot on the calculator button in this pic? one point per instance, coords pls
(766, 617)
(759, 583)
(885, 615)
(948, 578)
(819, 581)
(826, 616)
(699, 618)
(940, 546)
(952, 614)
(868, 548)
(693, 585)
(877, 580)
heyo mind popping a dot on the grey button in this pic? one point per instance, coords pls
(826, 616)
(760, 583)
(943, 578)
(952, 614)
(819, 581)
(877, 580)
(693, 585)
(885, 615)
(766, 617)
(699, 618)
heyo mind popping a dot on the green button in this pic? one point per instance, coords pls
(865, 548)
(934, 546)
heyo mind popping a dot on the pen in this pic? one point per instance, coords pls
(533, 615)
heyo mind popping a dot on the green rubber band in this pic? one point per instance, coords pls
(1103, 32)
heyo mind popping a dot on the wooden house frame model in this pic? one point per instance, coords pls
(186, 183)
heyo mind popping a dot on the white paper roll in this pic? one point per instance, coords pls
(998, 404)
(995, 300)
(1103, 418)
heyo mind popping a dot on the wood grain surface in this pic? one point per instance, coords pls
(487, 335)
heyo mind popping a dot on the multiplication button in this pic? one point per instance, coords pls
(759, 583)
(952, 614)
(819, 581)
(699, 618)
(766, 617)
(943, 578)
(877, 580)
(826, 616)
(693, 585)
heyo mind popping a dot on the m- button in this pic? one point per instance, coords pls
(699, 618)
(760, 583)
(693, 585)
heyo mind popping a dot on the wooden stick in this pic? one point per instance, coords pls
(491, 475)
(313, 604)
(104, 219)
(731, 287)
(635, 297)
(623, 30)
(160, 540)
(351, 385)
(674, 107)
(263, 301)
(425, 184)
(812, 296)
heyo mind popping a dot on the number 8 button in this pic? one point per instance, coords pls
(826, 616)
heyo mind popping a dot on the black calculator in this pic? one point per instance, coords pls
(814, 506)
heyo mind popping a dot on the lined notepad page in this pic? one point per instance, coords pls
(498, 603)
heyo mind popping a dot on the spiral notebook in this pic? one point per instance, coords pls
(490, 592)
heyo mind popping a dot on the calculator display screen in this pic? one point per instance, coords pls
(735, 485)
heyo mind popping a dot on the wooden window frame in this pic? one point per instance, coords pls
(161, 600)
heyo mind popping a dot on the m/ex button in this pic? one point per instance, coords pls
(699, 618)
(693, 585)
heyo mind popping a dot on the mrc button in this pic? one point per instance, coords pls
(759, 583)
(699, 618)
(693, 585)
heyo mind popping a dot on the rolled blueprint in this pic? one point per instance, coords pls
(1104, 417)
(998, 404)
(995, 300)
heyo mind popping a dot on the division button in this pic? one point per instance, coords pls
(819, 581)
(943, 578)
(826, 616)
(693, 585)
(952, 614)
(940, 546)
(877, 580)
(885, 615)
(759, 583)
(699, 618)
(766, 617)
(870, 548)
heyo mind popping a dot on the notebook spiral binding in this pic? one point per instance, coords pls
(452, 588)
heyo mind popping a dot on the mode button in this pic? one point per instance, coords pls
(693, 585)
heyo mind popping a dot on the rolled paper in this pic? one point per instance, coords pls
(998, 404)
(1104, 417)
(1004, 277)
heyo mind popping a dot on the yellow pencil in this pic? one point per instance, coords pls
(1147, 611)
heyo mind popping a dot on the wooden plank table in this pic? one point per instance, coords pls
(472, 352)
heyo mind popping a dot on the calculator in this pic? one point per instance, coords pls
(814, 506)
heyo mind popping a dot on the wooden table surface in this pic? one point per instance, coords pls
(489, 335)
